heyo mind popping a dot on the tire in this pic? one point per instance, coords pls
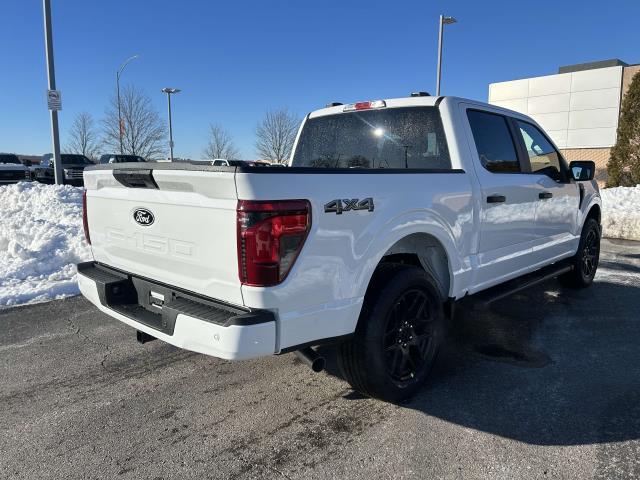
(585, 261)
(398, 334)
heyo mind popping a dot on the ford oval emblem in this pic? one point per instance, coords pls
(143, 217)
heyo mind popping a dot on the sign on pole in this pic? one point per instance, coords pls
(54, 100)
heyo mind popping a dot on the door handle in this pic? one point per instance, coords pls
(496, 199)
(544, 195)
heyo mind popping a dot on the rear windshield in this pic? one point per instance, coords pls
(409, 137)
(9, 159)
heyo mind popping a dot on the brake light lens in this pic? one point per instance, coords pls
(85, 220)
(364, 105)
(270, 237)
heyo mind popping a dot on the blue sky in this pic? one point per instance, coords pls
(236, 59)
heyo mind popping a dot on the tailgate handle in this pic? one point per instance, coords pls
(135, 178)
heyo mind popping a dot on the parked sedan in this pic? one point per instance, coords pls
(73, 166)
(11, 169)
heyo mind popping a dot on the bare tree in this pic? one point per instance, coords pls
(83, 137)
(275, 135)
(220, 144)
(143, 131)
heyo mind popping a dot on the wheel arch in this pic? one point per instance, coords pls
(426, 250)
(595, 212)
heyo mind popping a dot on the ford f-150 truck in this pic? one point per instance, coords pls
(388, 213)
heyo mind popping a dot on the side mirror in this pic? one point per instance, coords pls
(28, 163)
(582, 170)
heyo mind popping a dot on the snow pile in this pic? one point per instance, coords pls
(621, 212)
(41, 240)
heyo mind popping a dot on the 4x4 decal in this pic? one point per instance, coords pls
(345, 205)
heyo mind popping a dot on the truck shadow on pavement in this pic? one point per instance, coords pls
(552, 366)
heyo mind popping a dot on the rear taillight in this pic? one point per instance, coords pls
(270, 237)
(85, 220)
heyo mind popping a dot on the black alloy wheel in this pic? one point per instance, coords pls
(399, 330)
(408, 342)
(590, 253)
(585, 261)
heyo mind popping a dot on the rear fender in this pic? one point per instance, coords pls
(411, 223)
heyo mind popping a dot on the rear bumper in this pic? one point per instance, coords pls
(180, 318)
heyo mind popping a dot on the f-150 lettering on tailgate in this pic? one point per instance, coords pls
(150, 243)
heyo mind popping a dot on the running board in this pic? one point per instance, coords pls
(486, 297)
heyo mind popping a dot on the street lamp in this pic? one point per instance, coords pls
(118, 94)
(443, 21)
(170, 91)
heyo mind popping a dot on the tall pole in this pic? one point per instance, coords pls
(55, 134)
(439, 55)
(118, 73)
(119, 113)
(169, 91)
(170, 129)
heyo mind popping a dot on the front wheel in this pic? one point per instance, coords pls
(585, 261)
(398, 334)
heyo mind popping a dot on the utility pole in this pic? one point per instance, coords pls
(443, 21)
(55, 134)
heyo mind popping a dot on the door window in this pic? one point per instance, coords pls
(494, 143)
(543, 157)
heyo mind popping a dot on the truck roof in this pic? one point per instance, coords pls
(422, 101)
(425, 101)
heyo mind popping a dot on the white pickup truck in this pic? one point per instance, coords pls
(388, 213)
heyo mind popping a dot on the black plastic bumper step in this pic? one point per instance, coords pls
(157, 305)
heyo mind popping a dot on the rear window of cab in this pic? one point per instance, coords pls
(398, 138)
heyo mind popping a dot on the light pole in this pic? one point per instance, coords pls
(170, 91)
(58, 173)
(118, 73)
(443, 21)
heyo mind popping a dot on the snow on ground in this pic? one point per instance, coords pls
(41, 237)
(621, 212)
(41, 240)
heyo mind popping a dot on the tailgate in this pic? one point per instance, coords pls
(171, 224)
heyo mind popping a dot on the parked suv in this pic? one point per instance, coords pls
(11, 169)
(117, 158)
(73, 166)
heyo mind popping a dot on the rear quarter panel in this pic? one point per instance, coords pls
(322, 295)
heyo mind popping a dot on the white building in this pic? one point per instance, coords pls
(579, 107)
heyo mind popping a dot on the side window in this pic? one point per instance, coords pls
(543, 157)
(494, 143)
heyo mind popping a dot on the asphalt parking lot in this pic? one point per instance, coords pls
(545, 385)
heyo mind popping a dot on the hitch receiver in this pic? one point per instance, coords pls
(143, 337)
